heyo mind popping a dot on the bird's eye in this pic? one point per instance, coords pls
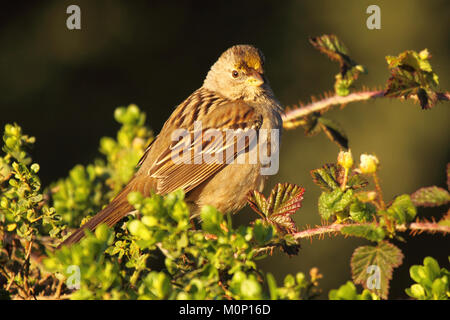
(235, 74)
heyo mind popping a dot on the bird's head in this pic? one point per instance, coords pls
(238, 74)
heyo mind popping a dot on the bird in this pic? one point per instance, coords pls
(235, 97)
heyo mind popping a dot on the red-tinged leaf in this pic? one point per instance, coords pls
(430, 197)
(372, 266)
(258, 203)
(284, 200)
(284, 223)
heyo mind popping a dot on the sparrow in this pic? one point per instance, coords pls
(206, 146)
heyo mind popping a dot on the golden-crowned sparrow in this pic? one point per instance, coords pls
(235, 97)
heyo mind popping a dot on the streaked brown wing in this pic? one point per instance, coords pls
(191, 170)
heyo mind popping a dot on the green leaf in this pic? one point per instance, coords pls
(432, 282)
(348, 292)
(362, 211)
(333, 202)
(328, 177)
(261, 232)
(384, 258)
(412, 75)
(369, 232)
(211, 220)
(356, 181)
(272, 284)
(430, 197)
(345, 292)
(331, 46)
(402, 209)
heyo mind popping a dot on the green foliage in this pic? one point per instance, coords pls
(430, 197)
(348, 292)
(160, 252)
(370, 232)
(412, 75)
(99, 277)
(432, 281)
(295, 288)
(24, 215)
(214, 262)
(402, 210)
(331, 46)
(364, 214)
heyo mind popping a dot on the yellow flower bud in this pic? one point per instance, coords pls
(345, 159)
(368, 163)
(424, 54)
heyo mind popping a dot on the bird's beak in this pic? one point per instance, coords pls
(255, 79)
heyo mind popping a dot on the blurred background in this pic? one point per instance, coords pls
(62, 86)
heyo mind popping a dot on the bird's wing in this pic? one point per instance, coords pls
(147, 150)
(227, 132)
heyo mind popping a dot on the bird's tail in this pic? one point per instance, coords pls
(110, 215)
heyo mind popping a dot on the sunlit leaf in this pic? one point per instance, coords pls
(372, 266)
(430, 197)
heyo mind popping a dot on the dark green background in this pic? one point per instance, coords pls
(62, 87)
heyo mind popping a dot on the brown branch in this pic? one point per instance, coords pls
(292, 116)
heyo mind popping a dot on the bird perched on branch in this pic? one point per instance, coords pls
(235, 97)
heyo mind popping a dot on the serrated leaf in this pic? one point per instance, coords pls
(334, 132)
(333, 202)
(430, 197)
(362, 211)
(402, 209)
(369, 232)
(384, 257)
(331, 46)
(258, 203)
(356, 181)
(284, 200)
(412, 75)
(328, 177)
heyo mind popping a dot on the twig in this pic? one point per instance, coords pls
(430, 227)
(294, 114)
(291, 117)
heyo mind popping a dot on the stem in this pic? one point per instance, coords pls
(291, 117)
(415, 227)
(344, 181)
(379, 191)
(315, 106)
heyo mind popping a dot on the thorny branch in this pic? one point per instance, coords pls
(292, 116)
